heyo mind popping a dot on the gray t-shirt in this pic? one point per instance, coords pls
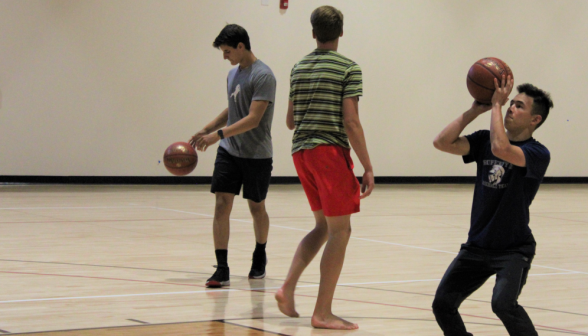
(256, 82)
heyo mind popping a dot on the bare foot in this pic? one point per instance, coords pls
(332, 322)
(286, 303)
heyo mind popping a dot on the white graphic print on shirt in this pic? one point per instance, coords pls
(237, 90)
(496, 173)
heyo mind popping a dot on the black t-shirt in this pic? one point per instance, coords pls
(503, 194)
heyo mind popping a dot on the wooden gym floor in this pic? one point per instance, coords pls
(133, 260)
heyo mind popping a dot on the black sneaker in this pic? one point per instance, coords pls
(219, 279)
(258, 267)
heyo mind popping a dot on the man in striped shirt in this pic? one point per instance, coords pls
(323, 110)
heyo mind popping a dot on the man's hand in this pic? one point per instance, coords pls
(502, 91)
(204, 142)
(367, 184)
(194, 140)
(479, 108)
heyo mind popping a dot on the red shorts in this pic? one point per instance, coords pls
(326, 174)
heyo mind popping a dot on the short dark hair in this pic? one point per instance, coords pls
(541, 100)
(231, 36)
(327, 23)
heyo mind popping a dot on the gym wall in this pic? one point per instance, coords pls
(102, 87)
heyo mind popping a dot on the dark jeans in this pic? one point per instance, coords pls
(467, 273)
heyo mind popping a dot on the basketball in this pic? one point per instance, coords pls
(480, 80)
(180, 158)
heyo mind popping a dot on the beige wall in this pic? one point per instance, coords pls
(102, 87)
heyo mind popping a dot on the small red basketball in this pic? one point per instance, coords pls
(481, 76)
(180, 158)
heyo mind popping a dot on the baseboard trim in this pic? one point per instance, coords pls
(18, 179)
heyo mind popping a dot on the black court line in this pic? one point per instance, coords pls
(475, 300)
(555, 330)
(248, 327)
(139, 268)
(107, 266)
(229, 321)
(151, 325)
(142, 322)
(242, 276)
(467, 323)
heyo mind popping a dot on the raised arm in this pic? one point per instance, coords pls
(356, 136)
(501, 147)
(449, 140)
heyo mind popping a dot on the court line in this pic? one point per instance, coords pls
(112, 296)
(97, 207)
(280, 226)
(357, 238)
(425, 280)
(260, 289)
(138, 321)
(249, 327)
(384, 242)
(134, 326)
(561, 269)
(428, 309)
(364, 239)
(402, 245)
(104, 221)
(285, 318)
(136, 268)
(403, 319)
(103, 278)
(539, 214)
(469, 299)
(348, 285)
(564, 219)
(107, 266)
(195, 213)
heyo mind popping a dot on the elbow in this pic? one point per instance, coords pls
(437, 144)
(254, 123)
(290, 124)
(351, 125)
(498, 150)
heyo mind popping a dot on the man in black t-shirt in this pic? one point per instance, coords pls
(510, 168)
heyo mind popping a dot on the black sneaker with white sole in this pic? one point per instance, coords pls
(258, 267)
(219, 279)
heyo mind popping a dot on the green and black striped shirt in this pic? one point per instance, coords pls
(318, 84)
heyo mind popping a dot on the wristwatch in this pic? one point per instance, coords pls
(220, 134)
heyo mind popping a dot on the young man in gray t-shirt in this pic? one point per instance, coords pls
(244, 157)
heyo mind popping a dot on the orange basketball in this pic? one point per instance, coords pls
(480, 80)
(180, 158)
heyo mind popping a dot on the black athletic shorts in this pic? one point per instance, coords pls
(230, 172)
